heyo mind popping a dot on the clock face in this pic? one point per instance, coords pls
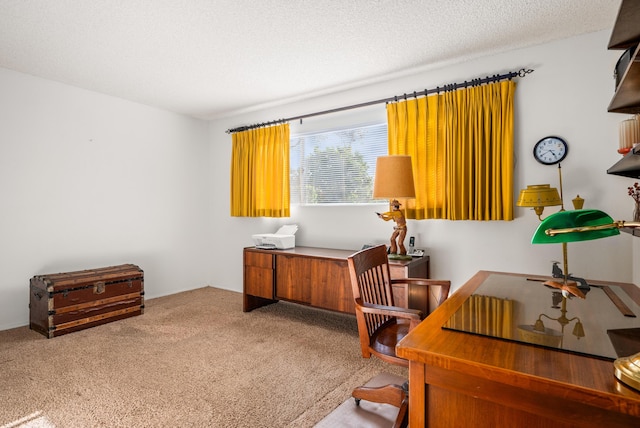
(550, 150)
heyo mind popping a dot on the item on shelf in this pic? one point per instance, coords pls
(634, 192)
(622, 64)
(629, 134)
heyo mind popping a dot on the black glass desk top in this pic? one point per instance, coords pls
(526, 310)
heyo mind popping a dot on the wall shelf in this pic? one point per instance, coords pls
(631, 230)
(626, 31)
(625, 35)
(629, 165)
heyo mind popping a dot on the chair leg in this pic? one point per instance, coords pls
(402, 420)
(396, 395)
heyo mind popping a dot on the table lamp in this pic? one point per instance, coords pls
(539, 196)
(584, 225)
(393, 181)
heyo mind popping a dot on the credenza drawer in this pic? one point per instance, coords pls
(258, 274)
(260, 260)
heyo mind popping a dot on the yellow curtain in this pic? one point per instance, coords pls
(461, 144)
(260, 172)
(488, 315)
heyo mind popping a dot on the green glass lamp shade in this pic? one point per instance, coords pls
(575, 225)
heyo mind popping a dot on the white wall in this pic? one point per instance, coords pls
(567, 95)
(88, 180)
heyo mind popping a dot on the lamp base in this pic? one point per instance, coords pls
(570, 287)
(394, 256)
(627, 370)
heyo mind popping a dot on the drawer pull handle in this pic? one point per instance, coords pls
(98, 287)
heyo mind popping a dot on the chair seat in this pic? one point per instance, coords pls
(385, 339)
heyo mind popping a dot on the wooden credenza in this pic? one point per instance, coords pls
(318, 277)
(458, 379)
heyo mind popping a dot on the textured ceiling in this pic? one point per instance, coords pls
(213, 58)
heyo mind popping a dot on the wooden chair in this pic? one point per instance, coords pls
(381, 324)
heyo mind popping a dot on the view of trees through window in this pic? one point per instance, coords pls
(336, 167)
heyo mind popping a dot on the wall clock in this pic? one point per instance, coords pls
(550, 150)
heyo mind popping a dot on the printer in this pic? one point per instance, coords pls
(283, 239)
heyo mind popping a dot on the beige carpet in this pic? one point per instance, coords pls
(194, 359)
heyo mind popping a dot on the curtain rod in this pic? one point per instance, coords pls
(446, 88)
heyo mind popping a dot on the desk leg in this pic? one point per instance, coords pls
(417, 395)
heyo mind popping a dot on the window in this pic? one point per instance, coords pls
(336, 167)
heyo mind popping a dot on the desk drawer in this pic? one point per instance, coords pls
(258, 259)
(258, 274)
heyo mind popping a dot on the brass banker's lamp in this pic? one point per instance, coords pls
(584, 225)
(394, 180)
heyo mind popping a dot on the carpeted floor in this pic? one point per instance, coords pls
(194, 359)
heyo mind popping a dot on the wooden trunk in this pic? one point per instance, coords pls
(66, 302)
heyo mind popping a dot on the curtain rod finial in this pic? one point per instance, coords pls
(523, 72)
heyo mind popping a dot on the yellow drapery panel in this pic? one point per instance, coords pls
(260, 172)
(486, 315)
(461, 145)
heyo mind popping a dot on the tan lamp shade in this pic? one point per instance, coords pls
(539, 195)
(394, 178)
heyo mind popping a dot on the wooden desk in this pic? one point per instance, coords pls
(459, 379)
(318, 277)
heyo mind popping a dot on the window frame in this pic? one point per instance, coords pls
(297, 158)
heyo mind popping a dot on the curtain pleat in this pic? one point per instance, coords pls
(260, 172)
(461, 144)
